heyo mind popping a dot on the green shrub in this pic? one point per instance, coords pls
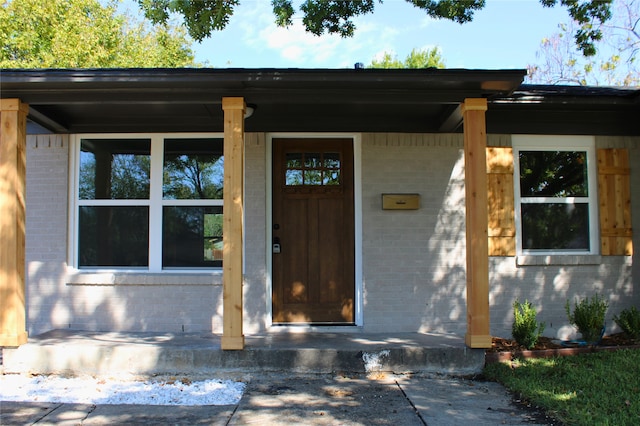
(525, 329)
(588, 317)
(629, 322)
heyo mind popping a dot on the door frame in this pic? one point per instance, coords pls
(357, 221)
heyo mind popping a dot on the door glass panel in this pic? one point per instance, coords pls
(293, 177)
(312, 160)
(331, 177)
(312, 177)
(294, 160)
(312, 169)
(331, 168)
(332, 160)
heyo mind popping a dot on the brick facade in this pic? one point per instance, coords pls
(414, 262)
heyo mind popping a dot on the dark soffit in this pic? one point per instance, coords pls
(313, 100)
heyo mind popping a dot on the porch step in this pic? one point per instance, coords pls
(80, 352)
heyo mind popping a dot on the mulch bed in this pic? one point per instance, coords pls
(507, 349)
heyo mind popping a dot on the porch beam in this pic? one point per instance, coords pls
(475, 143)
(232, 230)
(13, 141)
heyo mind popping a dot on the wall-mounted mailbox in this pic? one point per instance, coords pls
(400, 201)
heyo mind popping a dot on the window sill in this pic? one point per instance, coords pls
(558, 259)
(84, 278)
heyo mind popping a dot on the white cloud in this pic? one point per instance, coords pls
(253, 39)
(299, 47)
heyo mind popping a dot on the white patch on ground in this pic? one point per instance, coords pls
(117, 391)
(373, 360)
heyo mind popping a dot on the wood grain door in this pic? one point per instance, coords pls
(313, 231)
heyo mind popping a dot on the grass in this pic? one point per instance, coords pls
(599, 388)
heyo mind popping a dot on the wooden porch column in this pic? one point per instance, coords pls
(13, 140)
(475, 143)
(232, 337)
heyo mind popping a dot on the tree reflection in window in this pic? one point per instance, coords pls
(191, 236)
(193, 169)
(116, 208)
(554, 200)
(312, 168)
(114, 169)
(553, 174)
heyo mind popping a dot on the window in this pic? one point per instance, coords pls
(149, 203)
(312, 168)
(555, 189)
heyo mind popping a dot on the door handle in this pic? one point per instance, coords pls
(276, 245)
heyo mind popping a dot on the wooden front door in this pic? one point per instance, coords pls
(313, 231)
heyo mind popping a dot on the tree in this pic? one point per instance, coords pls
(336, 16)
(83, 33)
(418, 58)
(560, 62)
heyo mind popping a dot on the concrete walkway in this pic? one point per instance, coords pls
(319, 399)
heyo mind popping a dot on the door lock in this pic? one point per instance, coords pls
(276, 245)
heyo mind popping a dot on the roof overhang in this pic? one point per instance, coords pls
(309, 100)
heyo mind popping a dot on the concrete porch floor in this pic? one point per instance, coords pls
(73, 352)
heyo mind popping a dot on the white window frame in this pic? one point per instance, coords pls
(558, 143)
(155, 201)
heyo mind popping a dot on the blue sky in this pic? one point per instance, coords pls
(506, 34)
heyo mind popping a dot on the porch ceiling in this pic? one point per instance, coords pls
(311, 100)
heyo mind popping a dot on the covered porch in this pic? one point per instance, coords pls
(112, 353)
(428, 101)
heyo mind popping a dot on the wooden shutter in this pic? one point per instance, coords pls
(500, 202)
(614, 193)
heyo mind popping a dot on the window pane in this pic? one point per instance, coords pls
(312, 169)
(553, 174)
(312, 160)
(294, 177)
(332, 160)
(294, 160)
(113, 236)
(114, 169)
(555, 226)
(193, 169)
(331, 177)
(191, 236)
(312, 177)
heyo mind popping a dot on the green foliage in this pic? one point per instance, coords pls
(193, 177)
(592, 389)
(525, 329)
(588, 14)
(200, 17)
(418, 58)
(629, 322)
(336, 16)
(560, 61)
(588, 317)
(333, 16)
(85, 34)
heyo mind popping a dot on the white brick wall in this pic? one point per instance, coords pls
(255, 294)
(414, 261)
(46, 228)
